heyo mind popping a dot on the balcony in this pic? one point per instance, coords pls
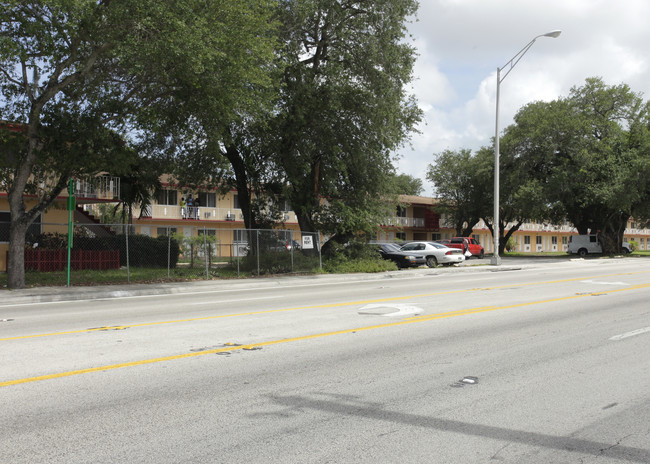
(202, 213)
(404, 222)
(100, 188)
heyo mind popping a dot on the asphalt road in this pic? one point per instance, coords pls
(534, 362)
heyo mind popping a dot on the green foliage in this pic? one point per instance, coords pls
(342, 109)
(462, 181)
(355, 256)
(634, 245)
(79, 75)
(585, 158)
(405, 184)
(511, 244)
(277, 262)
(339, 266)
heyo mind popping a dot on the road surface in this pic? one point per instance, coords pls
(548, 363)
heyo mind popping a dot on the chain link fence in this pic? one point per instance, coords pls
(115, 253)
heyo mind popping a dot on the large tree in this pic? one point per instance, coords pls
(405, 184)
(82, 70)
(343, 109)
(461, 181)
(589, 153)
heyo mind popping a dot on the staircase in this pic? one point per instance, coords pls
(93, 224)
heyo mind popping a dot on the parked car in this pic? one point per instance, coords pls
(582, 245)
(402, 259)
(469, 246)
(435, 253)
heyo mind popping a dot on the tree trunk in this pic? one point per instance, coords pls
(611, 236)
(16, 263)
(504, 241)
(242, 186)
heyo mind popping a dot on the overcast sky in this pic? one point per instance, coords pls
(462, 42)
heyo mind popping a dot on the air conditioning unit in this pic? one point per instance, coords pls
(286, 217)
(526, 247)
(539, 247)
(207, 215)
(241, 216)
(230, 217)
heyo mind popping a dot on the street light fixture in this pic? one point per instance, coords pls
(496, 259)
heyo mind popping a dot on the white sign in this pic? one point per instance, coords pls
(307, 242)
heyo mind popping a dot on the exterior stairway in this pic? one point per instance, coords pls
(93, 224)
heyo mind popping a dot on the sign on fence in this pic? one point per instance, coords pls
(307, 242)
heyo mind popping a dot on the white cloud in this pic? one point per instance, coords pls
(461, 43)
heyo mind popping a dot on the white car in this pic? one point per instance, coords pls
(435, 253)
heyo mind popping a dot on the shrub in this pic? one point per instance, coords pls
(342, 266)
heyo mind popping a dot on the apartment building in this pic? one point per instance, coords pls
(418, 220)
(220, 214)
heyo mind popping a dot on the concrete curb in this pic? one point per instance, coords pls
(59, 294)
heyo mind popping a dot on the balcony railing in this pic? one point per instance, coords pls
(200, 213)
(100, 187)
(404, 222)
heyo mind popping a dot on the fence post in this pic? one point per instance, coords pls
(128, 269)
(320, 256)
(257, 237)
(169, 251)
(233, 253)
(206, 254)
(290, 234)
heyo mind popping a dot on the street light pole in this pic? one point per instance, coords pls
(496, 259)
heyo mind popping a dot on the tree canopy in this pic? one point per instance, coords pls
(589, 156)
(82, 75)
(582, 158)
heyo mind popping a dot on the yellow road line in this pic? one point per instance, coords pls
(331, 305)
(411, 320)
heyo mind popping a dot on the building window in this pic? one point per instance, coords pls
(235, 201)
(284, 204)
(526, 239)
(401, 211)
(208, 200)
(435, 237)
(538, 240)
(477, 238)
(162, 231)
(565, 240)
(239, 235)
(400, 235)
(554, 240)
(207, 232)
(32, 232)
(167, 197)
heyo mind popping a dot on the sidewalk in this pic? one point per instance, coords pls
(53, 294)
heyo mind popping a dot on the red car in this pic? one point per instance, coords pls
(467, 244)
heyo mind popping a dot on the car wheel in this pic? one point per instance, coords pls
(582, 252)
(625, 250)
(480, 256)
(432, 261)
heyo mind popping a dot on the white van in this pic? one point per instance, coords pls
(582, 245)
